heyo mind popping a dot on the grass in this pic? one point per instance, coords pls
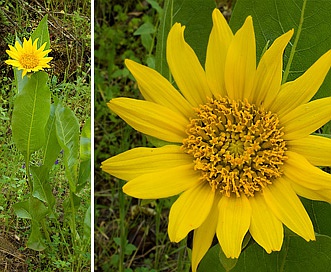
(69, 27)
(130, 234)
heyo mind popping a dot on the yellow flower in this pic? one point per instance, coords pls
(240, 150)
(28, 57)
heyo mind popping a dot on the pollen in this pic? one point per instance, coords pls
(237, 147)
(29, 61)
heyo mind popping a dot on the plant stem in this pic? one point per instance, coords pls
(73, 228)
(159, 206)
(182, 246)
(122, 228)
(297, 36)
(27, 170)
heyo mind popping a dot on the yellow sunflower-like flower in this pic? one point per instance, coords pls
(28, 57)
(240, 150)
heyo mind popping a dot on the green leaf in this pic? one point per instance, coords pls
(41, 186)
(273, 18)
(30, 114)
(85, 156)
(155, 5)
(31, 209)
(147, 41)
(84, 174)
(67, 132)
(87, 223)
(85, 141)
(320, 214)
(296, 255)
(22, 209)
(20, 82)
(42, 33)
(71, 208)
(36, 241)
(52, 147)
(196, 16)
(146, 28)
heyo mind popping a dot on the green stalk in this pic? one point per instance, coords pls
(61, 233)
(73, 228)
(182, 246)
(157, 232)
(297, 36)
(27, 170)
(122, 228)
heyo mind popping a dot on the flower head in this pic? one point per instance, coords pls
(240, 150)
(28, 57)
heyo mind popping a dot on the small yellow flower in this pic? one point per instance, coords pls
(28, 57)
(240, 149)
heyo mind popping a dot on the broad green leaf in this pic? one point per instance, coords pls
(87, 223)
(84, 174)
(22, 209)
(51, 149)
(41, 187)
(30, 114)
(196, 16)
(67, 132)
(85, 141)
(31, 209)
(85, 156)
(20, 82)
(273, 18)
(296, 255)
(320, 214)
(146, 28)
(36, 241)
(42, 33)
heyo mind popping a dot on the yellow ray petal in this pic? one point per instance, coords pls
(14, 63)
(165, 183)
(18, 46)
(218, 44)
(203, 236)
(302, 89)
(287, 207)
(42, 47)
(34, 44)
(240, 62)
(189, 211)
(265, 228)
(269, 72)
(306, 118)
(320, 195)
(143, 160)
(12, 53)
(234, 220)
(156, 88)
(186, 68)
(150, 118)
(316, 149)
(300, 171)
